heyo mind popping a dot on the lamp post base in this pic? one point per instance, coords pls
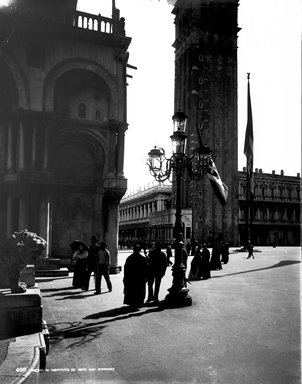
(177, 298)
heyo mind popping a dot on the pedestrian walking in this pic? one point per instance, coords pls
(250, 248)
(92, 261)
(196, 265)
(157, 265)
(135, 278)
(80, 258)
(205, 263)
(102, 268)
(169, 254)
(225, 253)
(215, 258)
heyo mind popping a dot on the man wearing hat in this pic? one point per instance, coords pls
(102, 268)
(91, 260)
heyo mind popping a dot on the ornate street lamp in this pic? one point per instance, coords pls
(195, 166)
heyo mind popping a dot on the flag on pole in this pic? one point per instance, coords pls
(249, 135)
(219, 188)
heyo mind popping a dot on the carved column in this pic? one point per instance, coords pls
(23, 213)
(9, 164)
(34, 145)
(45, 223)
(120, 151)
(21, 148)
(9, 220)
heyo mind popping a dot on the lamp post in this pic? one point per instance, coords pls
(195, 166)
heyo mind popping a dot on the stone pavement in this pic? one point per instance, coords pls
(243, 327)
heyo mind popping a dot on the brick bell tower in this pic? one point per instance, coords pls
(206, 90)
(62, 122)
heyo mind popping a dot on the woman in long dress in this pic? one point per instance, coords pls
(135, 278)
(80, 274)
(196, 265)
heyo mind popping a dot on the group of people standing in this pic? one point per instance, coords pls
(143, 270)
(203, 262)
(93, 259)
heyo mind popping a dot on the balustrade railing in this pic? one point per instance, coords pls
(91, 22)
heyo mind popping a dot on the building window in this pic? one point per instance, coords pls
(200, 105)
(200, 57)
(82, 110)
(200, 80)
(199, 217)
(199, 194)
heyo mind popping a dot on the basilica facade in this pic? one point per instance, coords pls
(62, 122)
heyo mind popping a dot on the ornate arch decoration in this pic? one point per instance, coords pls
(71, 64)
(87, 138)
(23, 98)
(89, 141)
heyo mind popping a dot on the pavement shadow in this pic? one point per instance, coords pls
(56, 289)
(112, 312)
(81, 332)
(282, 263)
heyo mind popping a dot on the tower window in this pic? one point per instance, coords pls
(82, 110)
(200, 58)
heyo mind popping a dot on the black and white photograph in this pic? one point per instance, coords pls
(150, 191)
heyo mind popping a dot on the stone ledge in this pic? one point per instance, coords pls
(52, 272)
(20, 313)
(25, 356)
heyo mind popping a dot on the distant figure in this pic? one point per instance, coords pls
(92, 261)
(157, 269)
(196, 265)
(135, 278)
(169, 254)
(194, 244)
(205, 263)
(225, 253)
(80, 257)
(215, 258)
(250, 248)
(188, 247)
(102, 268)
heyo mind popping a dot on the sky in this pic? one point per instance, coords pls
(269, 47)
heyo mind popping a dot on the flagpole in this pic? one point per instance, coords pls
(249, 152)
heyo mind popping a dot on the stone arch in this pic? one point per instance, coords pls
(17, 75)
(90, 142)
(79, 64)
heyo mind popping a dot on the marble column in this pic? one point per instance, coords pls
(21, 149)
(9, 164)
(34, 145)
(23, 213)
(9, 220)
(44, 223)
(112, 237)
(120, 151)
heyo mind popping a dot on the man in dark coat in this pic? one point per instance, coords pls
(225, 253)
(157, 270)
(215, 258)
(91, 261)
(205, 263)
(135, 278)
